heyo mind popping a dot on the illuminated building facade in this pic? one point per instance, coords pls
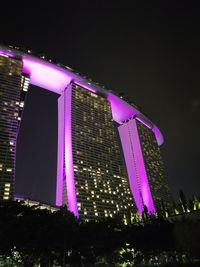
(144, 165)
(102, 188)
(108, 159)
(13, 87)
(154, 166)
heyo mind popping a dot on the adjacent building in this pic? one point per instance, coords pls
(12, 95)
(108, 159)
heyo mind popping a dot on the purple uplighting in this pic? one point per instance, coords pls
(137, 175)
(60, 155)
(130, 165)
(46, 75)
(158, 135)
(145, 189)
(69, 168)
(122, 111)
(85, 86)
(6, 53)
(54, 78)
(144, 122)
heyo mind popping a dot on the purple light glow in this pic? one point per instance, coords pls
(60, 155)
(85, 86)
(130, 166)
(122, 111)
(145, 189)
(69, 168)
(49, 76)
(54, 78)
(158, 135)
(135, 166)
(46, 75)
(144, 122)
(6, 53)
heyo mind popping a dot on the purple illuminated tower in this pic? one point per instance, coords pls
(108, 158)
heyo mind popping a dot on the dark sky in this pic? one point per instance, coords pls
(150, 52)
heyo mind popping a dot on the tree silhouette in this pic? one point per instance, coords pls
(31, 236)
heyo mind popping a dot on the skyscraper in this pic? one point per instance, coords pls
(12, 94)
(154, 166)
(102, 189)
(108, 158)
(144, 165)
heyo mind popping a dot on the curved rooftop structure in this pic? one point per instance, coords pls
(107, 149)
(55, 78)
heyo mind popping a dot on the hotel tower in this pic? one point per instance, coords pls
(108, 152)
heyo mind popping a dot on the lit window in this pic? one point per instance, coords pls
(6, 189)
(21, 104)
(9, 170)
(25, 87)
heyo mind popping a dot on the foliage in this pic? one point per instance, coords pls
(30, 236)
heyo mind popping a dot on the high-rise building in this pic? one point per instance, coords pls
(12, 95)
(154, 166)
(144, 165)
(102, 189)
(108, 159)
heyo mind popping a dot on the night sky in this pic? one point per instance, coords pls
(150, 52)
